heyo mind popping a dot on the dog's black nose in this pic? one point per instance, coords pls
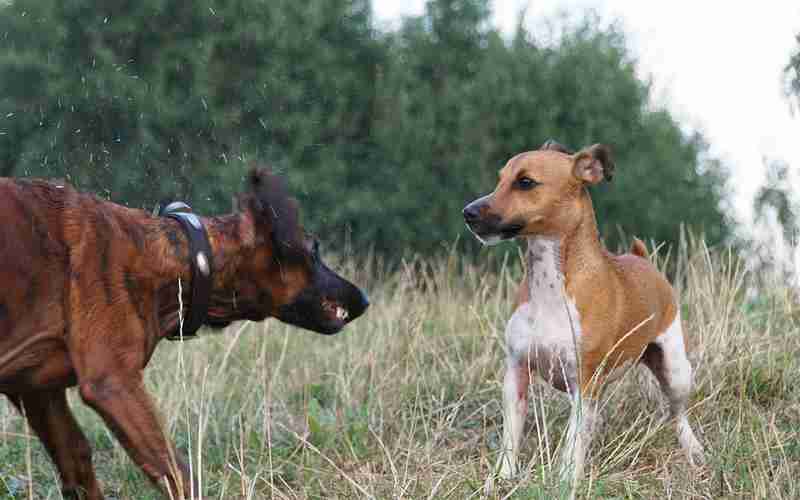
(358, 304)
(471, 213)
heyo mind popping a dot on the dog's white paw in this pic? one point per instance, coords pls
(507, 471)
(696, 456)
(691, 446)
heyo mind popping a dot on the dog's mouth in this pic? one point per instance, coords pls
(326, 314)
(326, 318)
(335, 316)
(509, 231)
(335, 312)
(490, 234)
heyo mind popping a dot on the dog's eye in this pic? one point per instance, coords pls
(526, 183)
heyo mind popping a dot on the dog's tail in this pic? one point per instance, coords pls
(638, 248)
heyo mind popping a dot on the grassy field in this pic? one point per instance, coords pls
(406, 402)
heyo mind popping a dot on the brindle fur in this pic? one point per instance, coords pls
(90, 288)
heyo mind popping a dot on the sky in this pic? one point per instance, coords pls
(717, 66)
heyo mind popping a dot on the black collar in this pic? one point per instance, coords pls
(201, 261)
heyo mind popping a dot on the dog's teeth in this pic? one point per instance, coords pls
(341, 313)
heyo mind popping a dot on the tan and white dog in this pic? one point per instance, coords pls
(582, 313)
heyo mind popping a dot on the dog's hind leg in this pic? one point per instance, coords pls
(50, 417)
(666, 359)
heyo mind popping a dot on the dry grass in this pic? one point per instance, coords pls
(406, 402)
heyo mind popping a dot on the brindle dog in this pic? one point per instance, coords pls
(89, 288)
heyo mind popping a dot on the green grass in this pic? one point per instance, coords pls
(406, 402)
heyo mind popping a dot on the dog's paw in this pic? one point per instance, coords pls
(692, 448)
(696, 456)
(507, 470)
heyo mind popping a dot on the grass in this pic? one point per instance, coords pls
(406, 402)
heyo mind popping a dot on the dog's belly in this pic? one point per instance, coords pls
(54, 372)
(34, 362)
(547, 339)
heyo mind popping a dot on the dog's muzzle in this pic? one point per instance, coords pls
(486, 226)
(328, 304)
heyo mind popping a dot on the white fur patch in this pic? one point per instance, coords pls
(582, 420)
(677, 369)
(677, 377)
(546, 331)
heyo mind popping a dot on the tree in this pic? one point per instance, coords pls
(776, 210)
(792, 73)
(450, 130)
(140, 101)
(385, 136)
(776, 196)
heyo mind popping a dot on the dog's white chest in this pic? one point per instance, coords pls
(545, 331)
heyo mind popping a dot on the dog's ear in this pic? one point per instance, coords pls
(270, 202)
(593, 164)
(551, 145)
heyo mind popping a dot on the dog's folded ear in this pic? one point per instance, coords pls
(551, 145)
(593, 164)
(271, 204)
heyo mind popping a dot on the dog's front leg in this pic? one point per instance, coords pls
(575, 446)
(128, 411)
(110, 341)
(108, 359)
(515, 409)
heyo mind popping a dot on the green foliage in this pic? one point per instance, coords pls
(384, 135)
(582, 90)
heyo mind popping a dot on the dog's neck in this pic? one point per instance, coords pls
(232, 238)
(545, 275)
(554, 262)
